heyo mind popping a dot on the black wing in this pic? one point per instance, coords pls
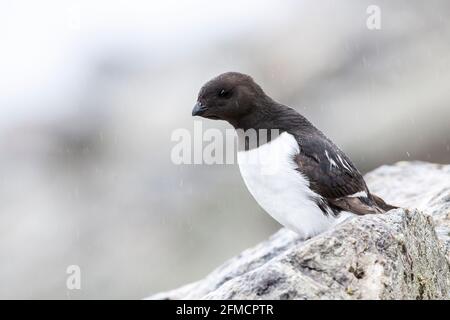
(334, 177)
(330, 172)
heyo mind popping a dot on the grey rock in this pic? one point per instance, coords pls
(403, 254)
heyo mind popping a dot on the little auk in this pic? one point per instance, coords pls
(298, 175)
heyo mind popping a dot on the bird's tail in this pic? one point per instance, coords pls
(361, 205)
(381, 204)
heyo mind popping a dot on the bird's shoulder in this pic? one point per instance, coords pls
(330, 172)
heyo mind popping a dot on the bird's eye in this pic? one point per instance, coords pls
(224, 93)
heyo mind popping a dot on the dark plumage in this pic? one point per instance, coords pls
(236, 98)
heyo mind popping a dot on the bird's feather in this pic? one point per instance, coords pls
(333, 176)
(330, 172)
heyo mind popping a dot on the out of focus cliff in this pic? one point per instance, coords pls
(90, 93)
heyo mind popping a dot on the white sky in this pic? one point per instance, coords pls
(45, 45)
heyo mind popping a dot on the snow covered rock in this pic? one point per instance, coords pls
(400, 255)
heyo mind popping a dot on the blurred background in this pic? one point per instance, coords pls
(91, 91)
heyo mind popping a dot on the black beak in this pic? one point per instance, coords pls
(199, 109)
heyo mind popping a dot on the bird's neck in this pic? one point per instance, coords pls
(269, 120)
(260, 117)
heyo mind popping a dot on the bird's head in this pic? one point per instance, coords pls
(230, 96)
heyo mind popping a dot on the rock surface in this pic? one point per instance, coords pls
(400, 255)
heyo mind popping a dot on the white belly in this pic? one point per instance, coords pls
(269, 174)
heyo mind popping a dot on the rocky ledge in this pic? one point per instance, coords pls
(403, 254)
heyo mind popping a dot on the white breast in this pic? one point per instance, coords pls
(270, 174)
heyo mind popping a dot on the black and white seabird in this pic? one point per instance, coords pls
(315, 185)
